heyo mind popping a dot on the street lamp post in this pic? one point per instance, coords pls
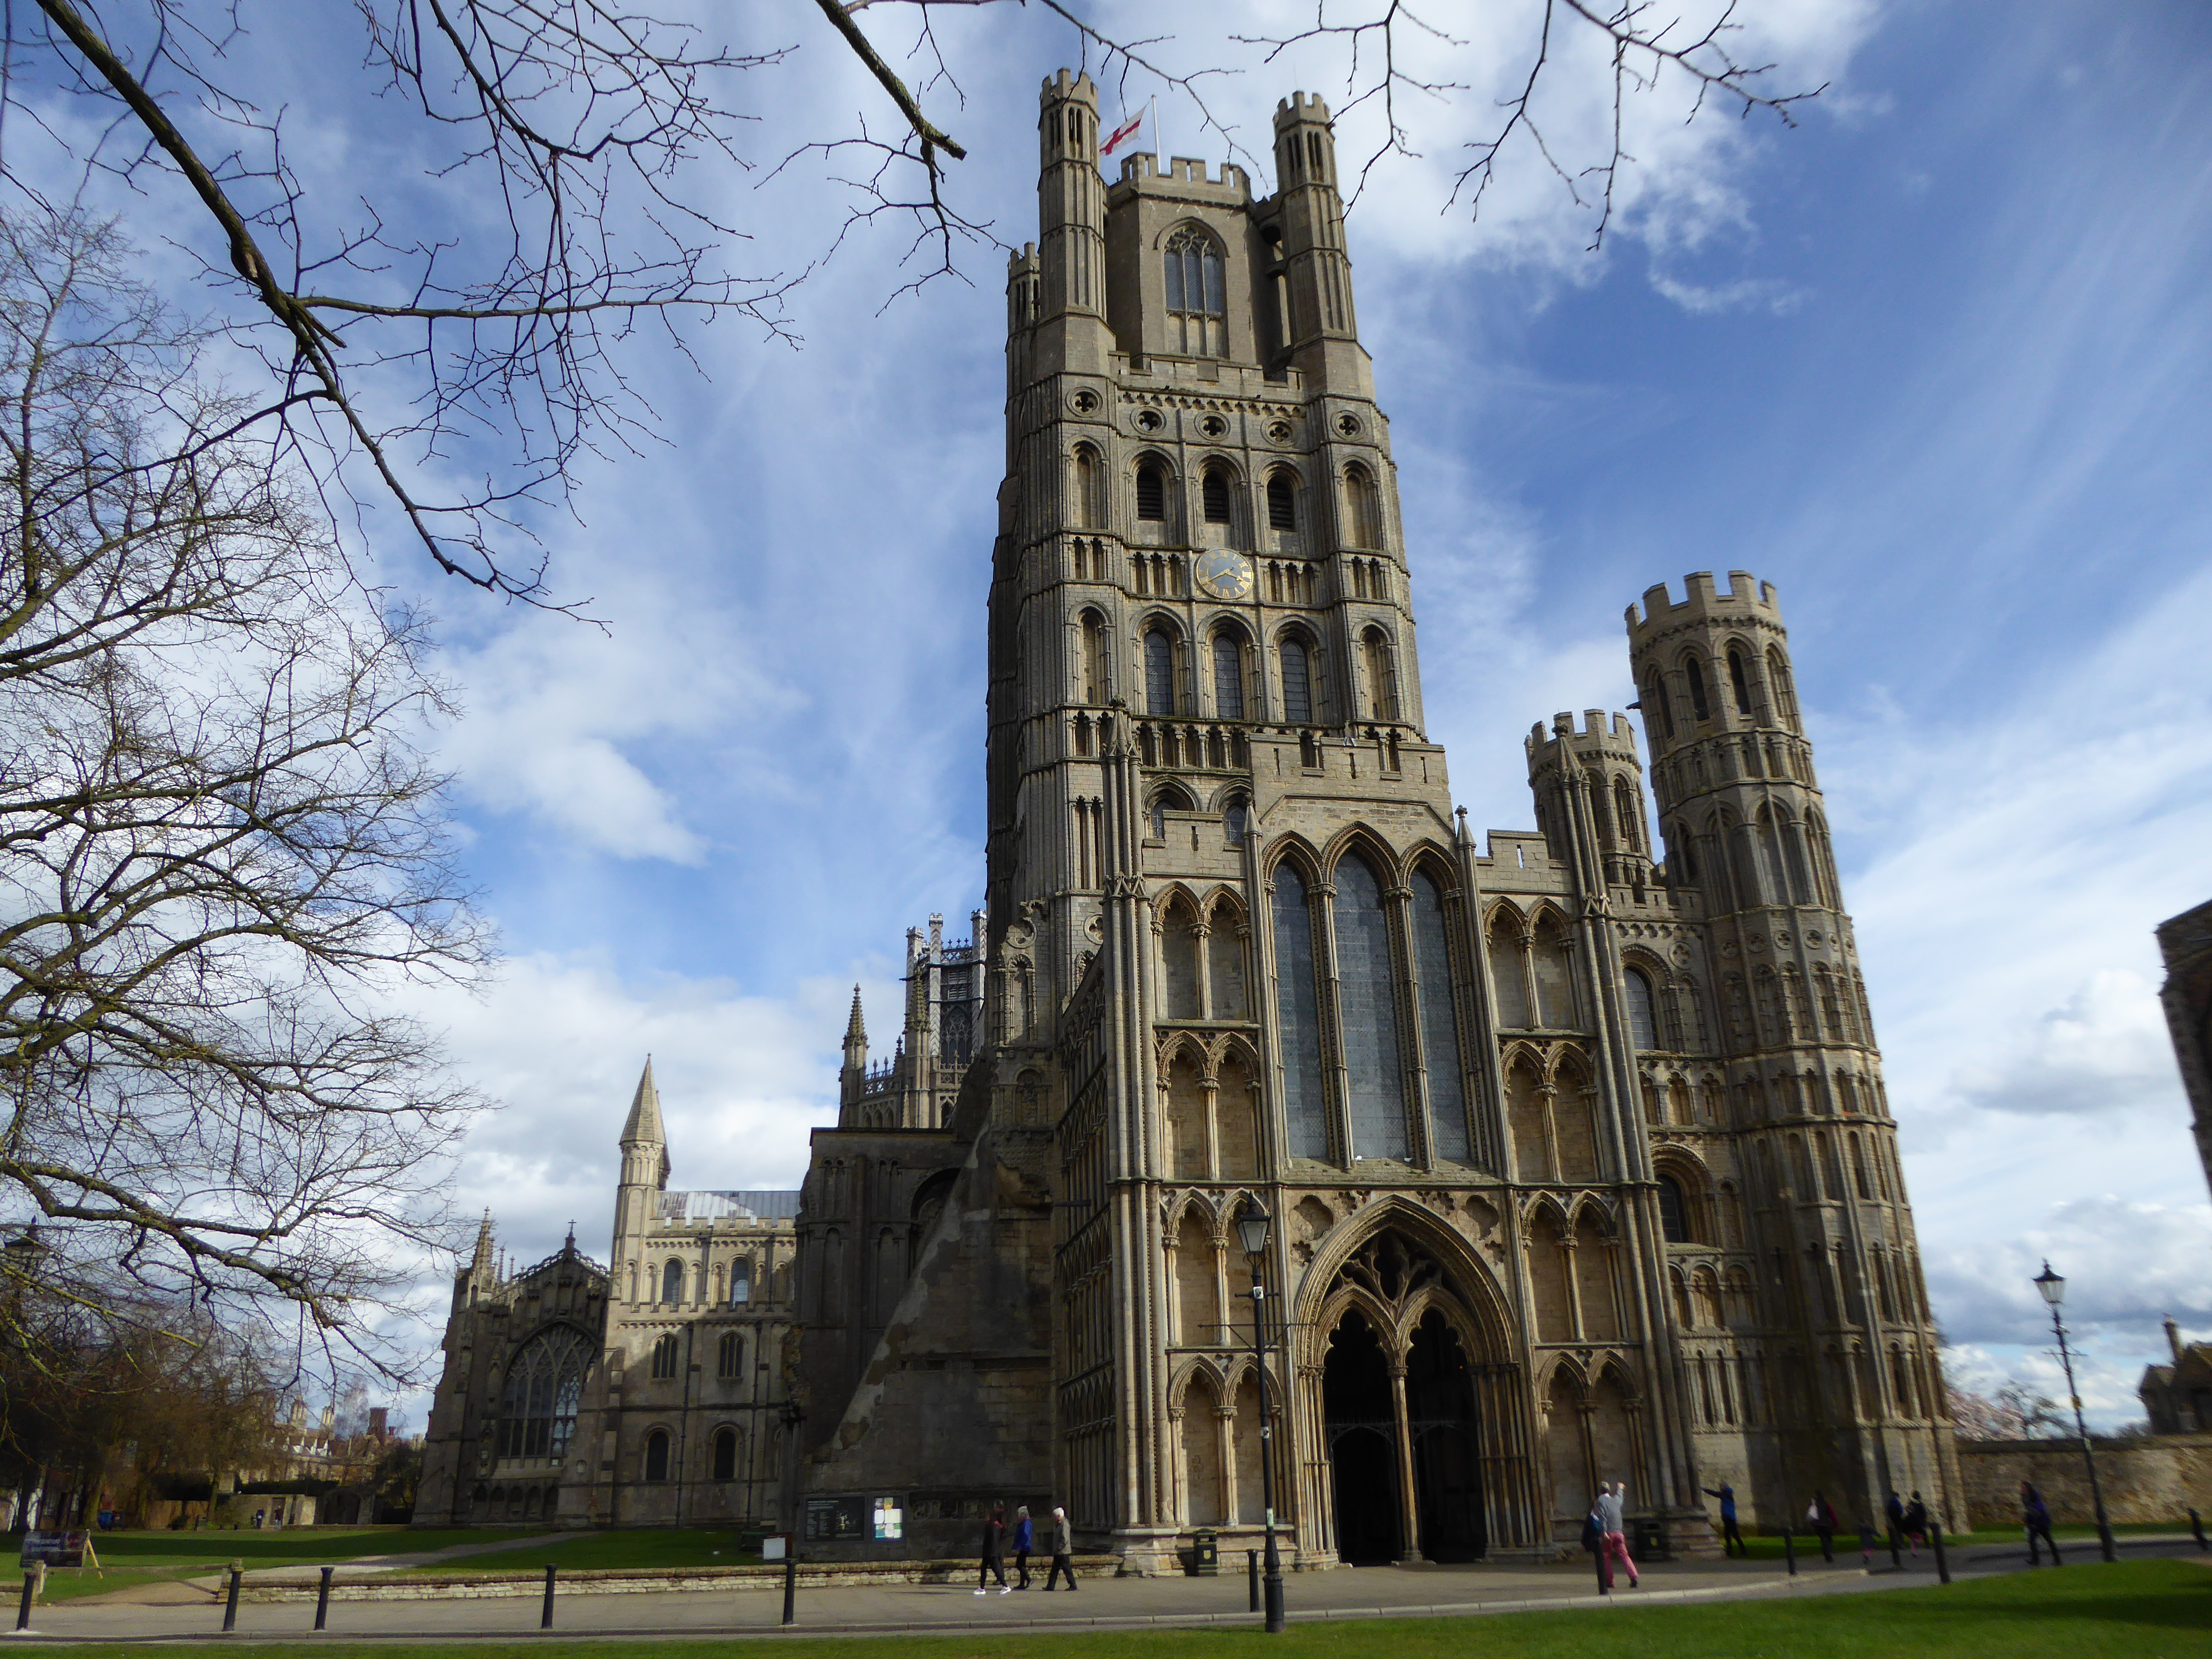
(1252, 1232)
(2054, 1292)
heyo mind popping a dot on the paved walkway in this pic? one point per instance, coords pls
(907, 1609)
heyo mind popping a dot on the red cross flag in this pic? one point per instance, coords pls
(1125, 131)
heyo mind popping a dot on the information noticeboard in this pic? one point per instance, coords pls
(889, 1520)
(830, 1520)
(56, 1549)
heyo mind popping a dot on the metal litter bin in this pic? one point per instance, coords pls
(1205, 1555)
(1647, 1539)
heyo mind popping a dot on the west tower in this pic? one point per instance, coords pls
(1241, 949)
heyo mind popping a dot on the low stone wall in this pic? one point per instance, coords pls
(2160, 1478)
(481, 1586)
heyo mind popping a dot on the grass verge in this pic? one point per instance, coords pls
(130, 1558)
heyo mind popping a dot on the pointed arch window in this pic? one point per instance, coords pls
(1700, 704)
(1367, 993)
(1673, 1212)
(1382, 676)
(1159, 672)
(1784, 693)
(1214, 494)
(1439, 1022)
(1297, 1010)
(1364, 507)
(1228, 675)
(1282, 502)
(544, 1388)
(1086, 510)
(1197, 300)
(1094, 657)
(1740, 680)
(1642, 1022)
(1233, 822)
(1656, 710)
(1297, 682)
(1628, 814)
(1151, 492)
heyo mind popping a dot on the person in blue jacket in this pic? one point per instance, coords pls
(1731, 1538)
(1024, 1539)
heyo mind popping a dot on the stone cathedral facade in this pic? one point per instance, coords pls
(1578, 1157)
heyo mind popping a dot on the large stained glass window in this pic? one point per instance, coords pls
(1298, 1012)
(1368, 994)
(544, 1386)
(1439, 1027)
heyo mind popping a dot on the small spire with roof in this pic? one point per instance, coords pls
(644, 1141)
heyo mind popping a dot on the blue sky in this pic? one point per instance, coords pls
(1935, 363)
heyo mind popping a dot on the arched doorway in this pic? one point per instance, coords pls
(1447, 1464)
(1426, 1428)
(1362, 1428)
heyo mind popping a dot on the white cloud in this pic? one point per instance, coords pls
(2106, 1049)
(1750, 294)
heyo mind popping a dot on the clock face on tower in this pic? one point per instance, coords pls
(1224, 575)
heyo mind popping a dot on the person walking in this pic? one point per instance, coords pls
(1610, 1498)
(1023, 1541)
(2036, 1514)
(994, 1552)
(1916, 1523)
(1868, 1539)
(1731, 1535)
(1821, 1521)
(1063, 1550)
(1893, 1508)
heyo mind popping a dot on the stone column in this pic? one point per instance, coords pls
(1409, 1517)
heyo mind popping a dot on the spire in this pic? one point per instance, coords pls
(644, 1142)
(481, 1264)
(856, 1029)
(643, 1125)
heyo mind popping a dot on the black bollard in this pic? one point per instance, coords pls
(30, 1589)
(323, 1600)
(1942, 1561)
(230, 1607)
(791, 1587)
(545, 1617)
(2196, 1526)
(1789, 1550)
(1252, 1577)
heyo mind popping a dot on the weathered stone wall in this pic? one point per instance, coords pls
(2158, 1479)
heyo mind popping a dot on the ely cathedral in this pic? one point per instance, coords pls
(1573, 1142)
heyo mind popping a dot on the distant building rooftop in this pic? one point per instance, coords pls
(730, 1206)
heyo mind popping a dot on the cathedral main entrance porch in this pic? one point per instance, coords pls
(1421, 1448)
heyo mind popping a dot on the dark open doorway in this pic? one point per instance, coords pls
(1362, 1434)
(1447, 1469)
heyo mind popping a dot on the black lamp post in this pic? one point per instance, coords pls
(1252, 1233)
(2054, 1292)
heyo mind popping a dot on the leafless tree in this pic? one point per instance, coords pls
(222, 850)
(585, 149)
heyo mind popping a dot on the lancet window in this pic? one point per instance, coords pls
(1197, 304)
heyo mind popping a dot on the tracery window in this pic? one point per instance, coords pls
(1196, 299)
(544, 1386)
(1297, 1009)
(1367, 991)
(1439, 1023)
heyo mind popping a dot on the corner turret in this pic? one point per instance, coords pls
(1603, 756)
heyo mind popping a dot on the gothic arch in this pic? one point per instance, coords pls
(1466, 1270)
(1363, 840)
(1293, 848)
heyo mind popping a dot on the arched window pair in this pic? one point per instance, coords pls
(1363, 517)
(1370, 986)
(663, 1358)
(1532, 972)
(730, 1356)
(1382, 675)
(1196, 294)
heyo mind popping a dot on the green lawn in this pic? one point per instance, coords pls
(2136, 1610)
(639, 1547)
(128, 1558)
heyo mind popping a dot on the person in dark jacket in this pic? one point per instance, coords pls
(1731, 1536)
(2036, 1515)
(1915, 1524)
(994, 1552)
(1063, 1551)
(1822, 1520)
(1893, 1507)
(1024, 1540)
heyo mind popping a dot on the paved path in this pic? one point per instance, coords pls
(907, 1609)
